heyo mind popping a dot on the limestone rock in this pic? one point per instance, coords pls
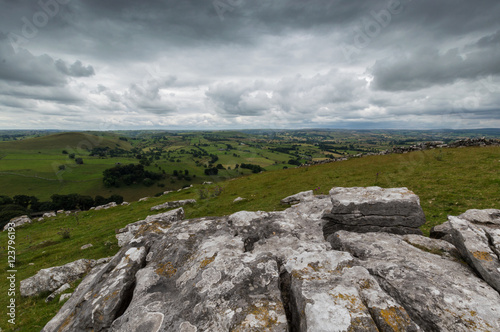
(86, 246)
(125, 204)
(156, 223)
(52, 278)
(64, 297)
(479, 247)
(143, 199)
(297, 198)
(374, 209)
(49, 214)
(487, 217)
(438, 292)
(274, 271)
(239, 199)
(18, 221)
(57, 292)
(173, 204)
(442, 231)
(106, 206)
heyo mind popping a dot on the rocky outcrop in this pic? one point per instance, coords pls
(374, 209)
(156, 223)
(52, 278)
(439, 292)
(16, 222)
(49, 214)
(297, 198)
(173, 204)
(106, 206)
(274, 271)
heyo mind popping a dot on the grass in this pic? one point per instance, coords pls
(448, 182)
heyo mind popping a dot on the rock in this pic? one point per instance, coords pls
(207, 183)
(60, 211)
(441, 231)
(159, 223)
(40, 219)
(487, 217)
(167, 192)
(106, 206)
(274, 271)
(57, 292)
(65, 297)
(31, 264)
(52, 278)
(17, 221)
(49, 214)
(238, 199)
(297, 198)
(438, 292)
(173, 204)
(480, 247)
(125, 204)
(143, 199)
(86, 246)
(374, 209)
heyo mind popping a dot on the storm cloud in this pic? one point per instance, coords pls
(225, 64)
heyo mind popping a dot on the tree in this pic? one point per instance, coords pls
(211, 171)
(72, 156)
(186, 172)
(79, 161)
(22, 200)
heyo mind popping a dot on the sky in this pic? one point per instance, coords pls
(243, 64)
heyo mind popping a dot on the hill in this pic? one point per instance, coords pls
(69, 140)
(448, 182)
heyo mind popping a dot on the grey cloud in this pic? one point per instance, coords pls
(77, 69)
(25, 68)
(428, 67)
(296, 95)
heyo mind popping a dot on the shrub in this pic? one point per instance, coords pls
(65, 233)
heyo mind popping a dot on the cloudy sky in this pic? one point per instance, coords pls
(234, 64)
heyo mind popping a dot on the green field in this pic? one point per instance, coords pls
(448, 182)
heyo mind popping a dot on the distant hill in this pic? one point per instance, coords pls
(66, 140)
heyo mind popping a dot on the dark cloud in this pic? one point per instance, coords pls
(245, 63)
(77, 69)
(428, 67)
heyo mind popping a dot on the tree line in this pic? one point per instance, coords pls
(11, 207)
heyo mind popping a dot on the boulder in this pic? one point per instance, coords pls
(239, 199)
(49, 214)
(64, 297)
(106, 206)
(86, 246)
(57, 292)
(143, 199)
(480, 247)
(173, 204)
(17, 221)
(438, 292)
(442, 231)
(156, 223)
(125, 204)
(52, 278)
(297, 198)
(486, 217)
(374, 209)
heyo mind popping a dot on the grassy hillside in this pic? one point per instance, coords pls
(65, 141)
(448, 182)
